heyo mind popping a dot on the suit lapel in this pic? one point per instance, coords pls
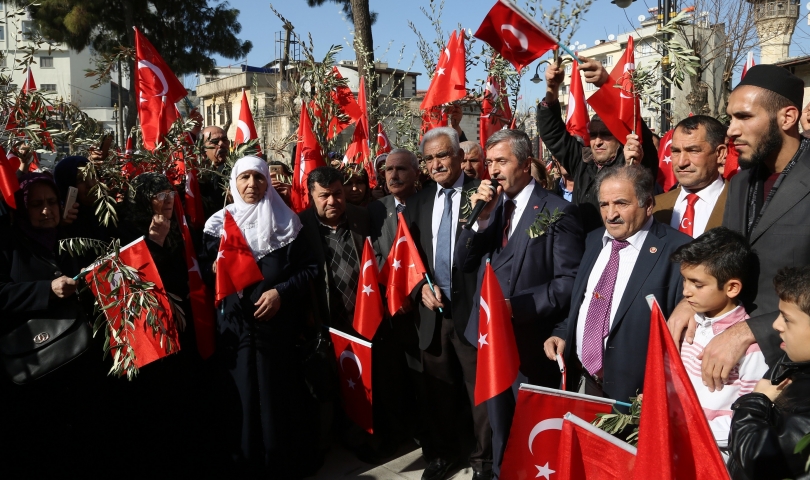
(716, 217)
(426, 225)
(648, 258)
(792, 191)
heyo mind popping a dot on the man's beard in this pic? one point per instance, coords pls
(771, 142)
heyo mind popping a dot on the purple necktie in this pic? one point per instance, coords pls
(597, 323)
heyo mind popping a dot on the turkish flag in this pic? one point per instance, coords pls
(495, 111)
(576, 117)
(674, 438)
(201, 300)
(29, 85)
(130, 147)
(245, 128)
(309, 158)
(346, 103)
(537, 423)
(359, 151)
(368, 310)
(435, 117)
(498, 360)
(236, 267)
(666, 175)
(107, 287)
(732, 165)
(449, 83)
(515, 35)
(157, 89)
(749, 63)
(383, 143)
(9, 164)
(588, 453)
(194, 203)
(408, 269)
(354, 369)
(616, 102)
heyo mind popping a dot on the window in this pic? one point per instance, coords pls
(27, 29)
(2, 32)
(568, 69)
(589, 87)
(47, 87)
(45, 62)
(607, 61)
(3, 62)
(209, 119)
(646, 48)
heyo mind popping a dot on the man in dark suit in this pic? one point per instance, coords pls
(535, 274)
(606, 150)
(396, 355)
(769, 203)
(604, 339)
(435, 216)
(698, 150)
(335, 232)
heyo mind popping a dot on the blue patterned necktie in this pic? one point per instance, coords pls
(443, 270)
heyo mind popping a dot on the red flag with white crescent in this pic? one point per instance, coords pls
(616, 102)
(201, 300)
(495, 110)
(516, 36)
(107, 286)
(498, 360)
(666, 174)
(588, 453)
(576, 117)
(354, 369)
(310, 157)
(383, 143)
(732, 166)
(749, 63)
(449, 82)
(30, 85)
(674, 437)
(403, 269)
(9, 184)
(245, 128)
(194, 203)
(368, 309)
(236, 267)
(534, 439)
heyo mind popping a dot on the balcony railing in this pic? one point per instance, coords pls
(786, 9)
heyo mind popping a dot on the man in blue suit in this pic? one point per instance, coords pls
(535, 272)
(604, 339)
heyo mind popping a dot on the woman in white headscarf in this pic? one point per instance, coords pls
(258, 327)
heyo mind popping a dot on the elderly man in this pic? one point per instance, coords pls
(698, 150)
(607, 150)
(435, 216)
(768, 202)
(211, 186)
(604, 339)
(401, 173)
(536, 274)
(473, 163)
(216, 144)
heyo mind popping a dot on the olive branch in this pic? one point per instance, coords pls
(622, 425)
(543, 221)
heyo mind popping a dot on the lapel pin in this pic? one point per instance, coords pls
(653, 249)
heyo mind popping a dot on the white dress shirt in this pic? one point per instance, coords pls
(627, 261)
(521, 200)
(438, 210)
(707, 199)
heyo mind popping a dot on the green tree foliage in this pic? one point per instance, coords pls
(345, 5)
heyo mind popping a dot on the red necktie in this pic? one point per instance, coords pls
(688, 219)
(508, 210)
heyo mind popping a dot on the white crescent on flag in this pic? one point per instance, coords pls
(521, 37)
(243, 127)
(351, 355)
(543, 425)
(485, 307)
(365, 266)
(572, 106)
(158, 73)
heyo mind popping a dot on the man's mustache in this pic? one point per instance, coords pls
(615, 221)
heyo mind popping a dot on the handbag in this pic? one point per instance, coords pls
(42, 345)
(319, 366)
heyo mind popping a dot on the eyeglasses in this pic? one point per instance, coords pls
(601, 134)
(216, 141)
(444, 154)
(162, 196)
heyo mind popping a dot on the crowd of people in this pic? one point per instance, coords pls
(727, 261)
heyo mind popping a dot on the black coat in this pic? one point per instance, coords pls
(568, 150)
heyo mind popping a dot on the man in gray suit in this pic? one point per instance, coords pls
(769, 203)
(401, 173)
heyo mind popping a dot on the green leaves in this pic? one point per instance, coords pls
(621, 425)
(543, 221)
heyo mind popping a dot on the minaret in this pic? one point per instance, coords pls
(775, 21)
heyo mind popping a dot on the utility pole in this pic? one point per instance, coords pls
(664, 9)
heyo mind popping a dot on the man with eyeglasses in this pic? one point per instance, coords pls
(212, 185)
(435, 216)
(607, 150)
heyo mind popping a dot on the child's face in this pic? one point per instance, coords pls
(793, 326)
(702, 292)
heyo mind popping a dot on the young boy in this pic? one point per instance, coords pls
(714, 267)
(768, 423)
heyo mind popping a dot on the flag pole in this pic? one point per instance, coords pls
(432, 289)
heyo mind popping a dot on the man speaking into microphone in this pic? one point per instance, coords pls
(534, 241)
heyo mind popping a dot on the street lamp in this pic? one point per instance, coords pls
(622, 3)
(536, 78)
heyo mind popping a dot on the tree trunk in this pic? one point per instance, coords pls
(121, 140)
(365, 63)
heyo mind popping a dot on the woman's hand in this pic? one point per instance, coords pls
(268, 305)
(72, 214)
(63, 287)
(159, 229)
(771, 391)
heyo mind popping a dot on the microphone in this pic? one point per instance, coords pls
(479, 205)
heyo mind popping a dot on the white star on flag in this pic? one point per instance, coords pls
(220, 254)
(667, 159)
(367, 290)
(482, 340)
(440, 71)
(196, 267)
(544, 471)
(351, 384)
(397, 264)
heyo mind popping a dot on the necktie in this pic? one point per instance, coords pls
(688, 221)
(443, 270)
(508, 210)
(400, 208)
(597, 323)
